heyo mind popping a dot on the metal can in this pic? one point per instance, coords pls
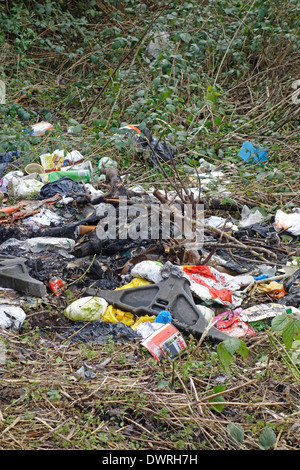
(56, 285)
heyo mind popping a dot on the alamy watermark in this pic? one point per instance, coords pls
(181, 222)
(2, 92)
(2, 352)
(296, 86)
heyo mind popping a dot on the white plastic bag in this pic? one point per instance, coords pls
(149, 270)
(11, 316)
(23, 188)
(288, 222)
(250, 218)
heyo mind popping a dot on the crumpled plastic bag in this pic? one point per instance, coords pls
(158, 44)
(45, 217)
(64, 186)
(249, 218)
(149, 270)
(274, 289)
(115, 315)
(11, 316)
(250, 154)
(86, 309)
(23, 188)
(41, 244)
(7, 157)
(100, 332)
(232, 324)
(212, 286)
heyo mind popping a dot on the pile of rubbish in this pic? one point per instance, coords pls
(138, 288)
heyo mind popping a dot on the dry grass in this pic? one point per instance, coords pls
(134, 402)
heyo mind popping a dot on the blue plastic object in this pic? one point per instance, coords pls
(163, 317)
(252, 155)
(261, 276)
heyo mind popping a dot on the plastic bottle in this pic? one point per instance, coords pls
(76, 175)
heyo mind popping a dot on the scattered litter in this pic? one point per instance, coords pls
(42, 244)
(167, 342)
(158, 44)
(56, 285)
(288, 222)
(212, 286)
(231, 323)
(86, 309)
(64, 186)
(85, 372)
(274, 289)
(75, 175)
(219, 222)
(100, 332)
(149, 270)
(250, 154)
(39, 129)
(45, 217)
(24, 187)
(6, 158)
(157, 151)
(11, 317)
(139, 294)
(262, 312)
(249, 218)
(59, 158)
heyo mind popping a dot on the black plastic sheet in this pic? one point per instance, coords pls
(101, 332)
(6, 158)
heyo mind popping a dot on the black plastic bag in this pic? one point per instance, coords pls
(64, 186)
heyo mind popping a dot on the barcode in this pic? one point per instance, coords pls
(172, 347)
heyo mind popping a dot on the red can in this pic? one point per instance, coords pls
(56, 285)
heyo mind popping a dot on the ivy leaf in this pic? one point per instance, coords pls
(76, 129)
(171, 108)
(185, 37)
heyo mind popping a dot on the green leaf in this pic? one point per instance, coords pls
(267, 439)
(236, 432)
(232, 344)
(225, 357)
(217, 407)
(73, 121)
(291, 332)
(171, 108)
(218, 120)
(76, 129)
(185, 37)
(211, 97)
(279, 322)
(163, 383)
